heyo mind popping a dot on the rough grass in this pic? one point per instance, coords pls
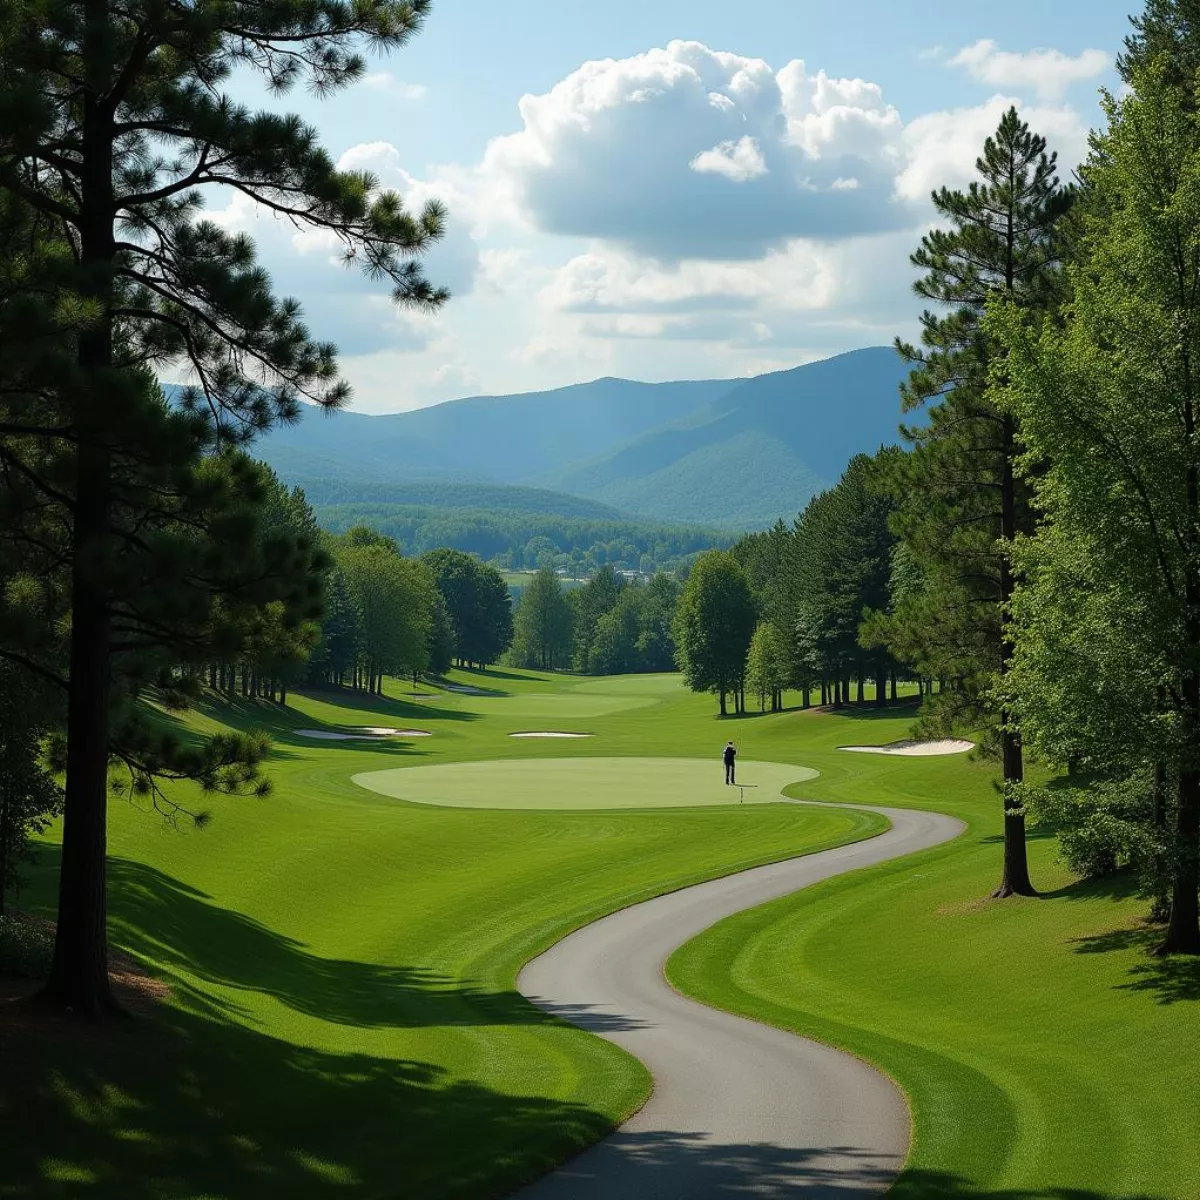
(344, 1020)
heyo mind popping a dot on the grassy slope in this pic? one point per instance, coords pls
(345, 1021)
(1043, 1052)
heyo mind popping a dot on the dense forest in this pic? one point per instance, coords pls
(528, 540)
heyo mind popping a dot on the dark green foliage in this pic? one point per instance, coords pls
(26, 947)
(478, 603)
(635, 634)
(441, 637)
(29, 796)
(589, 604)
(1167, 31)
(543, 624)
(840, 572)
(714, 622)
(1105, 827)
(520, 540)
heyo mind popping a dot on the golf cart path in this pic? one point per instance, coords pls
(738, 1108)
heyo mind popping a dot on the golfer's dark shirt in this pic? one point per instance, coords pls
(730, 755)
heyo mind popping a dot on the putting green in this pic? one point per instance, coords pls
(583, 783)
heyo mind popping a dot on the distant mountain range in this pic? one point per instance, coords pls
(734, 454)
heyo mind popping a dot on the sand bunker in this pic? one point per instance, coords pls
(549, 734)
(463, 690)
(913, 749)
(368, 733)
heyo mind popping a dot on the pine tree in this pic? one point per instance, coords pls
(543, 623)
(590, 603)
(112, 124)
(1169, 31)
(961, 504)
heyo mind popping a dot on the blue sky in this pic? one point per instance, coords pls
(672, 188)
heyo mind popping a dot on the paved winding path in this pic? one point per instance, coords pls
(738, 1109)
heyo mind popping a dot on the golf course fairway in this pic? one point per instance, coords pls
(343, 1020)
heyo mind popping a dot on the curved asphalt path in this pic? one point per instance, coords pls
(738, 1108)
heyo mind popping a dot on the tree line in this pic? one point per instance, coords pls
(608, 626)
(530, 540)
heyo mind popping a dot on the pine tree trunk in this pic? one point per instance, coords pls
(723, 710)
(1015, 879)
(892, 682)
(860, 695)
(807, 697)
(79, 970)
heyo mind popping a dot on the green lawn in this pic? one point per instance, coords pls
(344, 1022)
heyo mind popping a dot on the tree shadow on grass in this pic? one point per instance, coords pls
(159, 919)
(381, 705)
(1170, 980)
(182, 1104)
(687, 1166)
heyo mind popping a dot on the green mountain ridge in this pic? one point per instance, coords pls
(730, 454)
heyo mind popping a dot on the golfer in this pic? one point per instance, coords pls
(730, 757)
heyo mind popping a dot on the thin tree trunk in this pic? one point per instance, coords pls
(723, 711)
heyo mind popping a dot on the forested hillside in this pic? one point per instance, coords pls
(527, 539)
(735, 454)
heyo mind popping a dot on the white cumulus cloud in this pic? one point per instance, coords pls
(1047, 72)
(685, 151)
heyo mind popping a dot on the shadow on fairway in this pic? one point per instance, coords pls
(384, 705)
(1169, 979)
(163, 920)
(186, 1105)
(676, 1165)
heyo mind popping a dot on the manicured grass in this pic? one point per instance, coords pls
(344, 1020)
(585, 783)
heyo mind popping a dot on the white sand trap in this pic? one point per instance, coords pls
(388, 731)
(463, 690)
(550, 734)
(370, 733)
(912, 749)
